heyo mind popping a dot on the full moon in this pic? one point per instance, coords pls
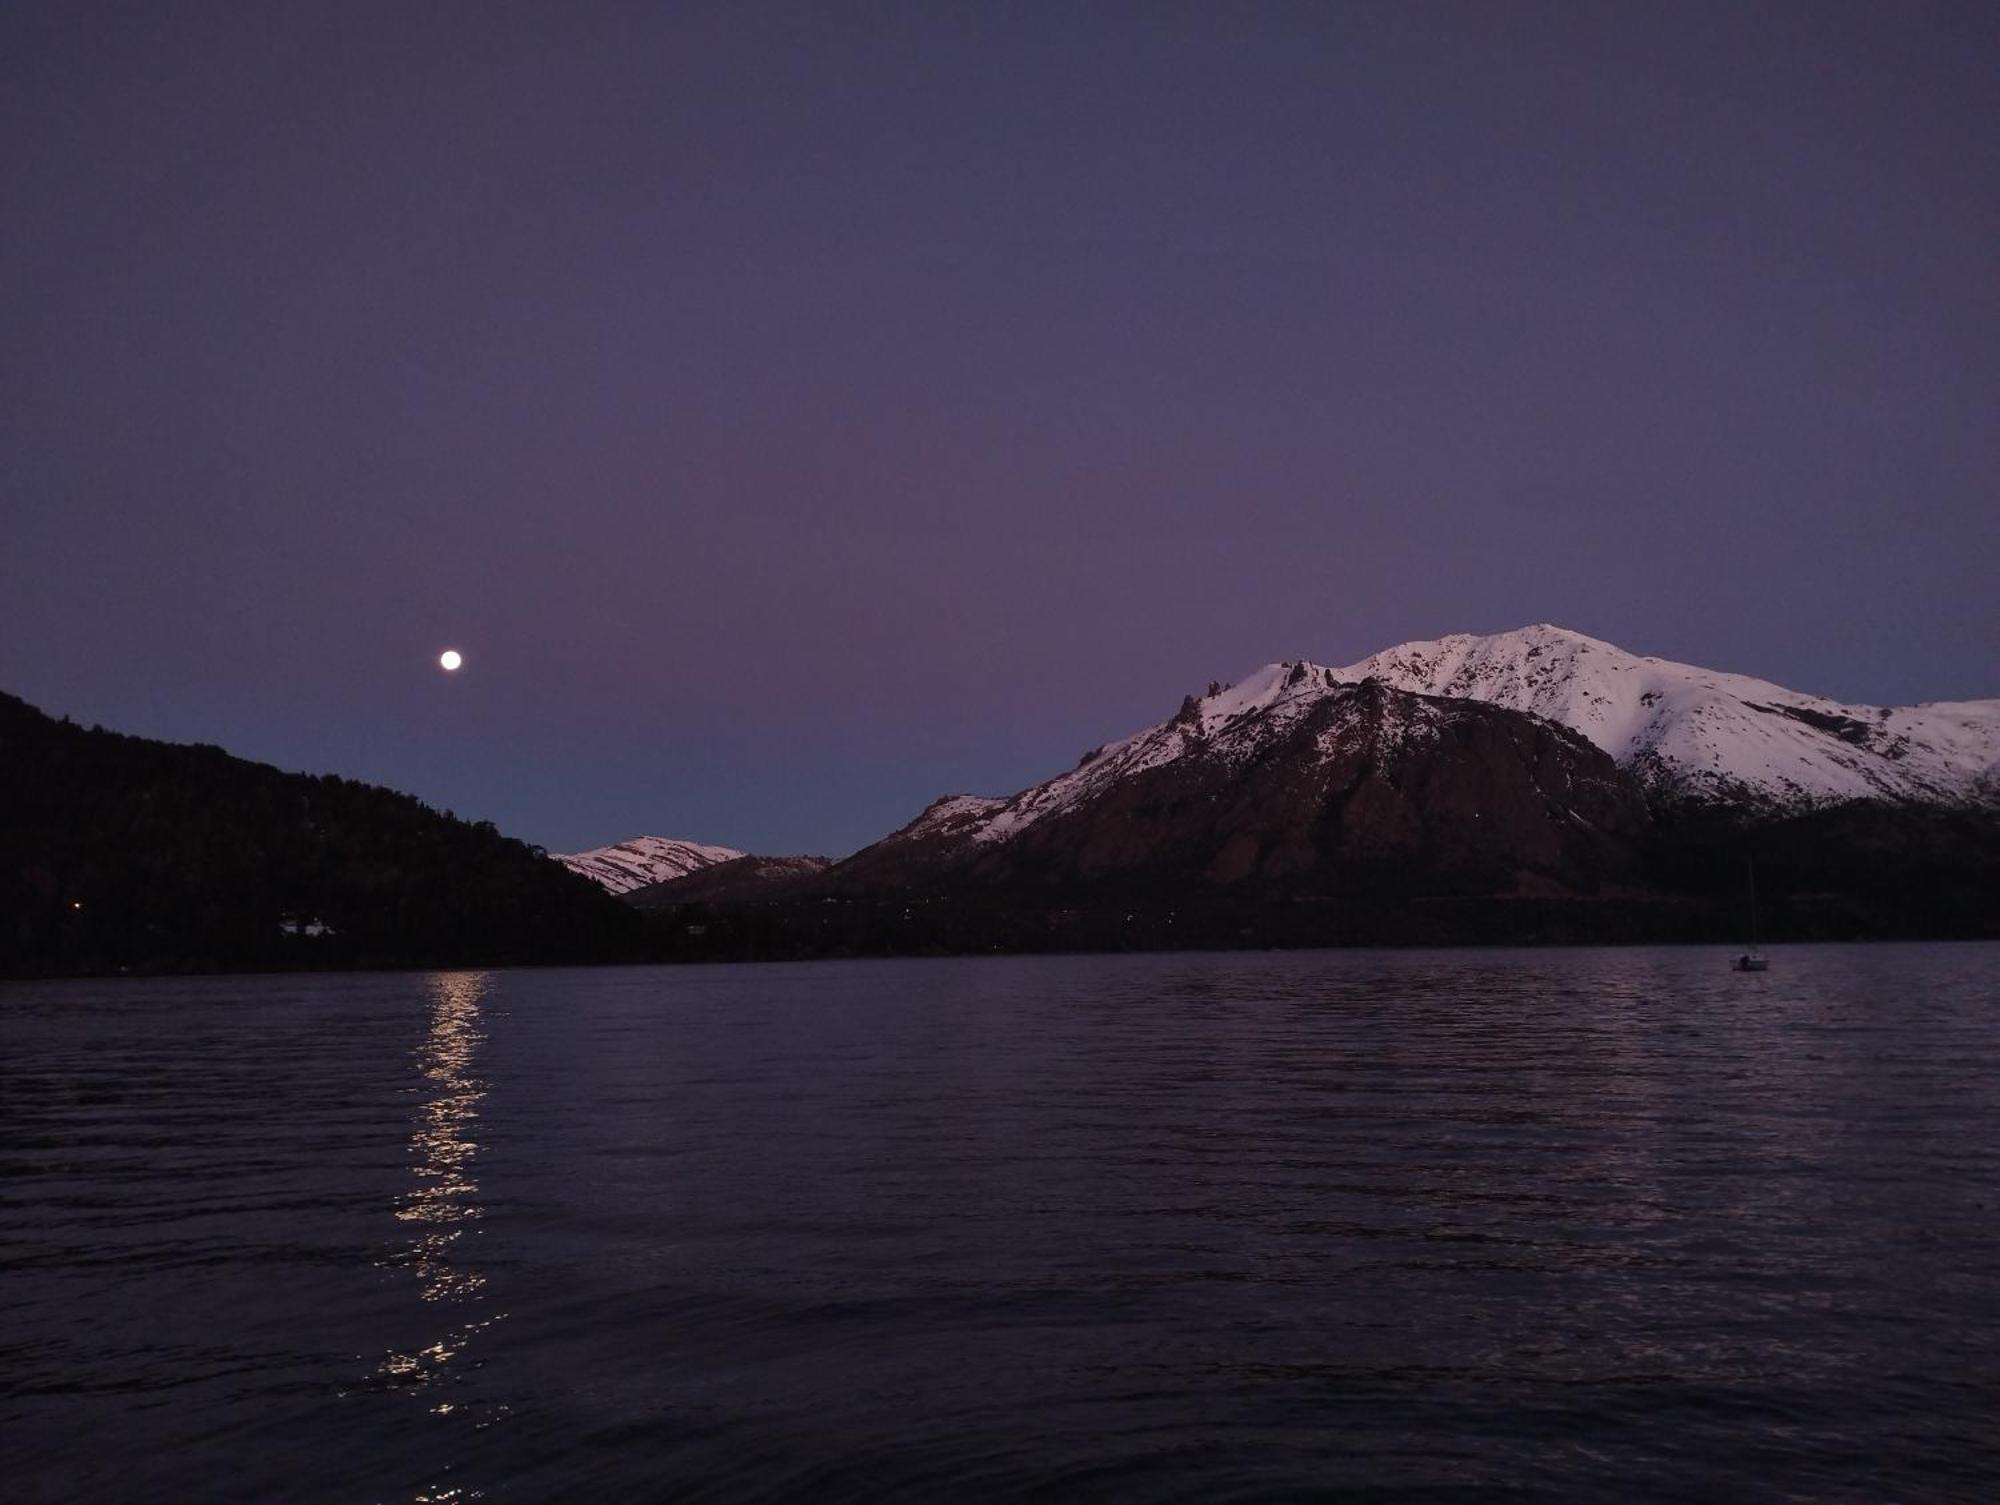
(450, 659)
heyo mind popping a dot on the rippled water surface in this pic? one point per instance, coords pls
(1607, 1225)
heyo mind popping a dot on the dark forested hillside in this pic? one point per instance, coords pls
(121, 852)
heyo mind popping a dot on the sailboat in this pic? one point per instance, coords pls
(1752, 960)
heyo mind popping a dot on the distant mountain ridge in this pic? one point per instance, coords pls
(644, 860)
(1533, 784)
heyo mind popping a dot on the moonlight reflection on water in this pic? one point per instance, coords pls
(443, 1150)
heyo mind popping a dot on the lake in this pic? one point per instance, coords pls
(1549, 1225)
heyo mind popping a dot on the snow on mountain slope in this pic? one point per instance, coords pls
(1691, 732)
(1230, 720)
(643, 860)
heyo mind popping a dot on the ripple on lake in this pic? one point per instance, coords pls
(1586, 1224)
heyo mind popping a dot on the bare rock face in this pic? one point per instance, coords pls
(737, 879)
(1307, 787)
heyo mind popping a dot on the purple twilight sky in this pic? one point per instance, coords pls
(799, 412)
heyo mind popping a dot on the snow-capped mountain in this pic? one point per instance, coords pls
(1679, 731)
(1688, 732)
(1295, 779)
(643, 860)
